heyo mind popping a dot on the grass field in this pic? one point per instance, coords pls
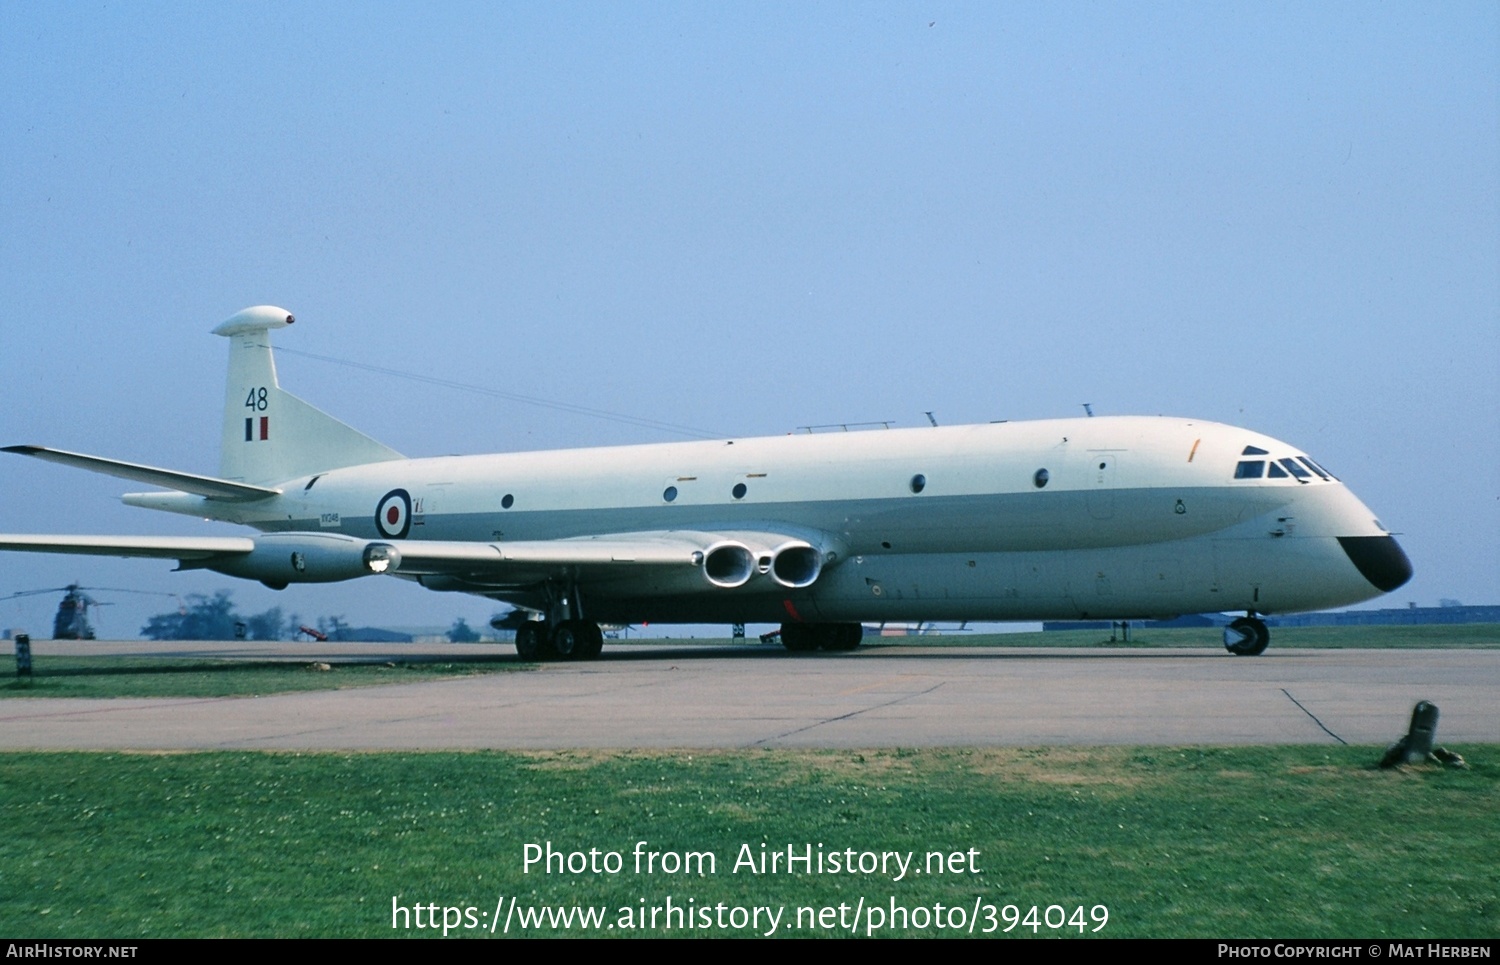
(1239, 842)
(1198, 842)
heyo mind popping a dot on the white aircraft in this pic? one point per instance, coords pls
(1093, 518)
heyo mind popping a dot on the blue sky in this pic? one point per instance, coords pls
(747, 218)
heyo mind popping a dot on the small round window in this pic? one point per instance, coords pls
(669, 494)
(739, 490)
(918, 483)
(507, 501)
(1041, 477)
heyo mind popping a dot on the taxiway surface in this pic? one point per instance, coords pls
(696, 696)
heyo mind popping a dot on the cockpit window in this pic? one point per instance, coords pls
(1300, 468)
(1318, 468)
(1313, 466)
(1296, 470)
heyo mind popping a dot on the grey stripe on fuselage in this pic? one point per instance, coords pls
(913, 524)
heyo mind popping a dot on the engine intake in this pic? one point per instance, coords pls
(796, 564)
(728, 564)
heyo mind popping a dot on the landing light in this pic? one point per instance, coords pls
(382, 558)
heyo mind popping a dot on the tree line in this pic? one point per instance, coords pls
(215, 618)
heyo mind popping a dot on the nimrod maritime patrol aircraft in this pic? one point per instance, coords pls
(1088, 518)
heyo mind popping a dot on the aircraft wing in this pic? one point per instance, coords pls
(185, 482)
(156, 547)
(417, 556)
(679, 559)
(722, 559)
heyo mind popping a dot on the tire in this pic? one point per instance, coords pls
(1254, 637)
(570, 640)
(529, 638)
(799, 637)
(841, 636)
(594, 642)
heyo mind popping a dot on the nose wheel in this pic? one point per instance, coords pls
(1247, 637)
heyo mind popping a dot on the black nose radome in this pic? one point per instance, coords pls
(1380, 559)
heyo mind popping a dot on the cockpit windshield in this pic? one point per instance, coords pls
(1300, 468)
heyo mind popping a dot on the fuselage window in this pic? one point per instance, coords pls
(669, 494)
(507, 501)
(918, 483)
(739, 490)
(1291, 466)
(1250, 469)
(1040, 479)
(1276, 472)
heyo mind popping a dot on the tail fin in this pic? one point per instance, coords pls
(271, 435)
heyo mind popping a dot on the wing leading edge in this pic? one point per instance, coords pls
(181, 548)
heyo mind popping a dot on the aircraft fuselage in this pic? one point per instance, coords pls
(1123, 517)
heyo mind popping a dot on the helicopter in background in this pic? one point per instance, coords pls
(72, 620)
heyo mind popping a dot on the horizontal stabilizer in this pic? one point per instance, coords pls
(184, 482)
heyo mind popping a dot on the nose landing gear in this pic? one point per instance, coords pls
(1247, 637)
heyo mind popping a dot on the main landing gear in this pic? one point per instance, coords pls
(803, 637)
(1247, 636)
(568, 640)
(564, 634)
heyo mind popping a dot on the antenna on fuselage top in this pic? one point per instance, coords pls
(932, 420)
(1088, 409)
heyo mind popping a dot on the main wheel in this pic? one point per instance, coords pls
(529, 639)
(570, 640)
(594, 642)
(1247, 637)
(840, 636)
(799, 637)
